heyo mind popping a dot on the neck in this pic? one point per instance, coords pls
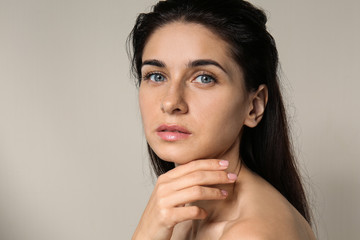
(221, 210)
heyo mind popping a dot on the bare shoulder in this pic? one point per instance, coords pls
(247, 229)
(267, 215)
(264, 229)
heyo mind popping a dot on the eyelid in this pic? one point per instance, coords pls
(146, 75)
(203, 73)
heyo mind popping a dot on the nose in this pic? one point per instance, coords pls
(173, 101)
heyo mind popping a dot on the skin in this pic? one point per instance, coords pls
(210, 194)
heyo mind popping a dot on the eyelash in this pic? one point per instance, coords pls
(207, 75)
(147, 76)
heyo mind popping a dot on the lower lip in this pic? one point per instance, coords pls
(173, 136)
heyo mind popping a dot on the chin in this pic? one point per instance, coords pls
(180, 155)
(174, 156)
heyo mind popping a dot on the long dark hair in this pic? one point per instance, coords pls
(265, 149)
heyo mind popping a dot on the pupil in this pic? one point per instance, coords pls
(205, 79)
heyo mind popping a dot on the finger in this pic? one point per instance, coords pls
(198, 165)
(203, 178)
(195, 193)
(182, 214)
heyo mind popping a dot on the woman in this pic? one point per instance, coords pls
(215, 124)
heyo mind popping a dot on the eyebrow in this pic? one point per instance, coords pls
(191, 64)
(205, 62)
(153, 62)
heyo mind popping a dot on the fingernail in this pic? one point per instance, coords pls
(224, 193)
(232, 176)
(224, 163)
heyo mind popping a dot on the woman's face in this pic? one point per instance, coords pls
(192, 95)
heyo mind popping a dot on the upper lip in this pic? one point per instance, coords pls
(172, 128)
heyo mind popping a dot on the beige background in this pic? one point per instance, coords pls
(72, 159)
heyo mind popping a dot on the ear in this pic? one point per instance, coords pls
(257, 104)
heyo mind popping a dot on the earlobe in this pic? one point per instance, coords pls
(257, 105)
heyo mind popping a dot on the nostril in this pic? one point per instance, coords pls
(174, 104)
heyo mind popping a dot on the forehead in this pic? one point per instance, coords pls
(186, 41)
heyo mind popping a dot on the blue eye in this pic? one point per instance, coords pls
(204, 79)
(156, 77)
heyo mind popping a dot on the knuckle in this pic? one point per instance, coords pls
(192, 163)
(214, 164)
(160, 188)
(166, 219)
(198, 176)
(161, 178)
(164, 216)
(197, 191)
(161, 203)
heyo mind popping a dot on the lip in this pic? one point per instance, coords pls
(172, 132)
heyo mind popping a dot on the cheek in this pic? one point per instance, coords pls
(222, 117)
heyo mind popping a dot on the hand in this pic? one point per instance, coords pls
(176, 188)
